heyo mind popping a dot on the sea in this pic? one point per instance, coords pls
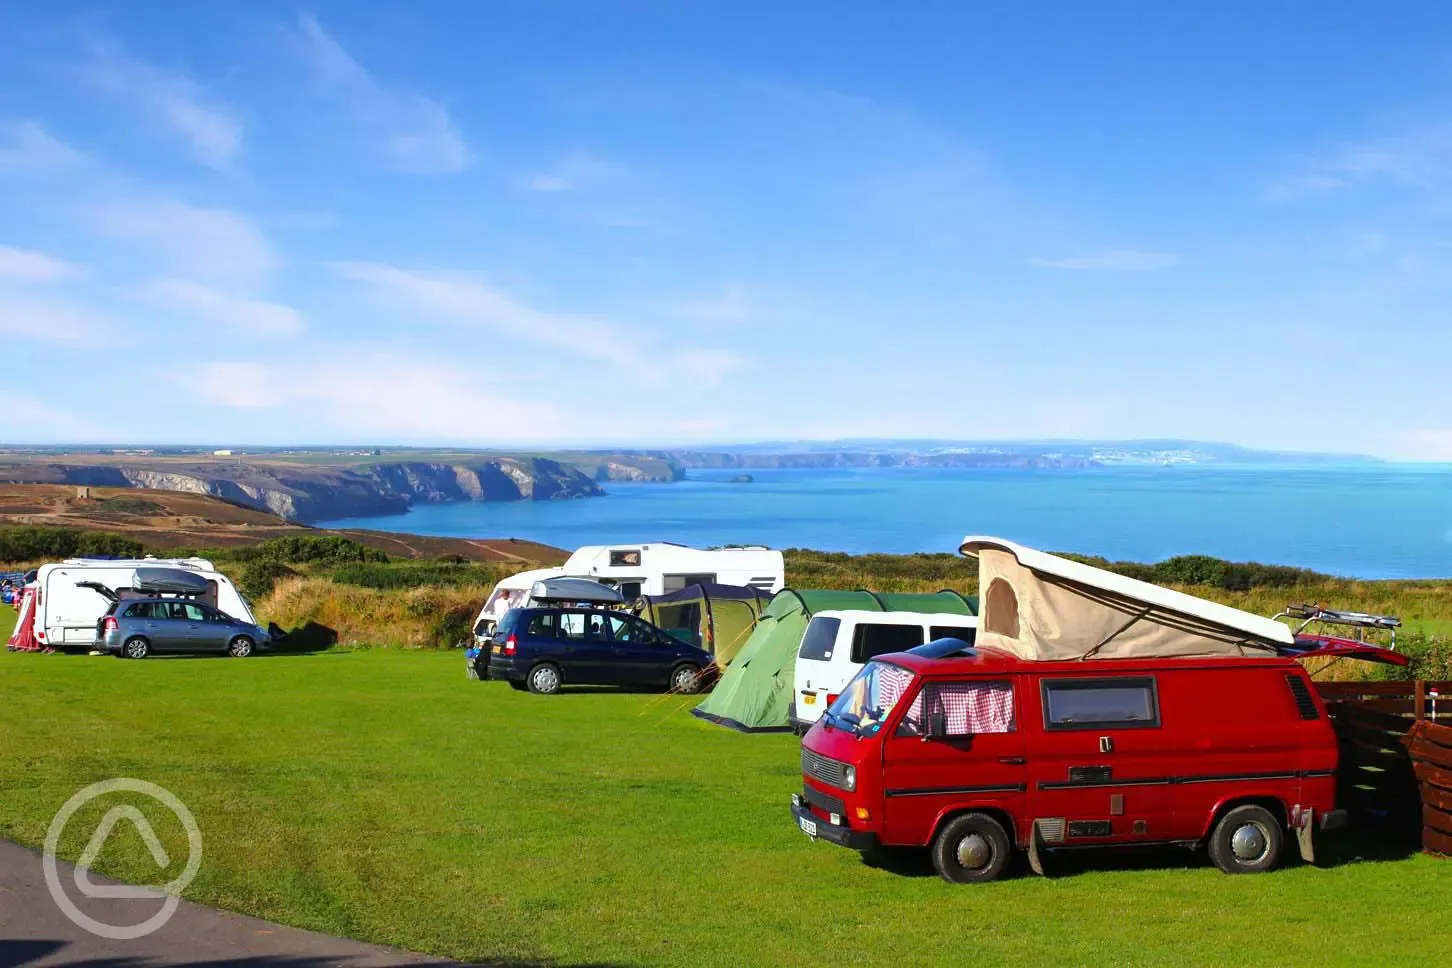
(1356, 520)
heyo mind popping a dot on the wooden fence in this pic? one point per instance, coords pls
(1396, 756)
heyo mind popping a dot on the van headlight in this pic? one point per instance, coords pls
(849, 778)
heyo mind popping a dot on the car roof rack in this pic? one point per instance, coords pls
(1363, 622)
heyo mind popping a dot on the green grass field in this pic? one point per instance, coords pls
(382, 795)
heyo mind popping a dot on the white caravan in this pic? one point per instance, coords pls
(643, 569)
(838, 643)
(67, 608)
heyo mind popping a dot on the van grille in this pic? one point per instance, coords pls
(820, 768)
(1302, 694)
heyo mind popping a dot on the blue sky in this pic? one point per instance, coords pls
(670, 221)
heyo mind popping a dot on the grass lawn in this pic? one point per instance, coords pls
(383, 796)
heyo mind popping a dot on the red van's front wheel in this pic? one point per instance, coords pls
(971, 848)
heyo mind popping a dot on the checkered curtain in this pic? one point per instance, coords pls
(968, 708)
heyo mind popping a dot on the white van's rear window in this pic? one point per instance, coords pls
(821, 635)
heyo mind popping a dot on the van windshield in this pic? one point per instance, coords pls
(869, 698)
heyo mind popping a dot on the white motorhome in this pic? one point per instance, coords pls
(68, 607)
(837, 643)
(643, 569)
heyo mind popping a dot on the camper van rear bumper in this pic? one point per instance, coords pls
(815, 827)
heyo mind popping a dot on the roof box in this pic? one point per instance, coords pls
(169, 581)
(575, 590)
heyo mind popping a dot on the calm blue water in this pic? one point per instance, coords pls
(1391, 521)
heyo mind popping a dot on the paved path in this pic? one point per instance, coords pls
(36, 934)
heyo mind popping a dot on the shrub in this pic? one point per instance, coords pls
(258, 578)
(1430, 655)
(131, 505)
(326, 549)
(31, 543)
(395, 576)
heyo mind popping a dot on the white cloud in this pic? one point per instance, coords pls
(249, 316)
(1419, 445)
(729, 306)
(212, 133)
(56, 322)
(574, 173)
(465, 300)
(341, 395)
(212, 243)
(28, 147)
(1112, 260)
(416, 133)
(29, 419)
(25, 265)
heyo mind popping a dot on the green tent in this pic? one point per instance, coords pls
(717, 618)
(754, 693)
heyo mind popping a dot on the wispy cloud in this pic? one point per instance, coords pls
(173, 100)
(26, 265)
(465, 300)
(53, 321)
(1112, 260)
(416, 133)
(27, 147)
(729, 306)
(575, 172)
(255, 317)
(1417, 157)
(210, 243)
(340, 394)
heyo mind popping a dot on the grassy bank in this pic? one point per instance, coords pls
(381, 795)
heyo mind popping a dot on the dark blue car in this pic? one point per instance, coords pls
(542, 649)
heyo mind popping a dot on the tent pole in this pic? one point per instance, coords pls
(1115, 634)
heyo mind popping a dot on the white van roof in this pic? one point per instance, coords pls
(865, 616)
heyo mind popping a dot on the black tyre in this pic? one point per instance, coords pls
(686, 680)
(515, 684)
(971, 848)
(241, 647)
(136, 648)
(1247, 840)
(545, 679)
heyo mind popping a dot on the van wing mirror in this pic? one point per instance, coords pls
(937, 725)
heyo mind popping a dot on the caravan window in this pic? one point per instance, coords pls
(625, 559)
(871, 641)
(674, 583)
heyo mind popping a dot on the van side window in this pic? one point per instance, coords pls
(967, 708)
(965, 634)
(1100, 703)
(821, 635)
(1000, 609)
(871, 641)
(542, 626)
(139, 610)
(570, 625)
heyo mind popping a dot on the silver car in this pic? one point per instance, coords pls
(134, 628)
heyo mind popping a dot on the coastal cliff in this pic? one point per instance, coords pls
(303, 492)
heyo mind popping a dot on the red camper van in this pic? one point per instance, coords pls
(1094, 710)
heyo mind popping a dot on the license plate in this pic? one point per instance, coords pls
(497, 649)
(809, 827)
(809, 698)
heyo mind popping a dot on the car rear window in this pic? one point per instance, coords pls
(139, 610)
(1100, 703)
(821, 636)
(966, 633)
(541, 624)
(871, 641)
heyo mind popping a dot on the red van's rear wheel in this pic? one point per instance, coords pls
(1247, 840)
(971, 848)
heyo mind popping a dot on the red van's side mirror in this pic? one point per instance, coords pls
(937, 725)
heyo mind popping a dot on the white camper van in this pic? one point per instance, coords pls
(68, 607)
(643, 569)
(838, 643)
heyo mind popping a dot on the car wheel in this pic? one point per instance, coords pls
(1247, 840)
(971, 848)
(136, 648)
(240, 647)
(516, 684)
(544, 679)
(686, 680)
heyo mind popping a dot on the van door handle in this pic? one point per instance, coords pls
(1012, 760)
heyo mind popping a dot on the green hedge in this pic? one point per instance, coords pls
(1235, 576)
(395, 576)
(324, 549)
(29, 543)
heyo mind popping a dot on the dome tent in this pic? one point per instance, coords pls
(756, 689)
(717, 618)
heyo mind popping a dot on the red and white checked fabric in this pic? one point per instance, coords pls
(892, 682)
(968, 708)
